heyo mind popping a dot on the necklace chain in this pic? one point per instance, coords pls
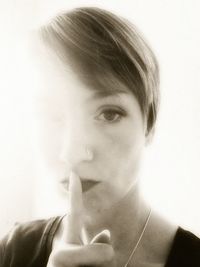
(138, 242)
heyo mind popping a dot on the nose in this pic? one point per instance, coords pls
(76, 149)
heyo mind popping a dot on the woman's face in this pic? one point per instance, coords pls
(72, 117)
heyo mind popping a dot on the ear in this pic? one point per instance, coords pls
(149, 136)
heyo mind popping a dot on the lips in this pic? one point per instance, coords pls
(86, 184)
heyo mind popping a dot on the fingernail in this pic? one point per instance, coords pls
(103, 237)
(106, 232)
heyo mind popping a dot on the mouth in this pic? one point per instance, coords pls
(86, 184)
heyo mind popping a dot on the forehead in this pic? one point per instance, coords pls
(55, 76)
(62, 91)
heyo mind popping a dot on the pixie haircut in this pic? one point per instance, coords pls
(107, 53)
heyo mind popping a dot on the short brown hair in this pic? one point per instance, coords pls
(106, 51)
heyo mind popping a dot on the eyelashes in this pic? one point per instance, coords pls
(111, 114)
(106, 114)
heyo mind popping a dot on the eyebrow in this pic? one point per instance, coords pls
(100, 94)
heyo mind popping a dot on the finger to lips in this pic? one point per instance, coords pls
(72, 252)
(74, 219)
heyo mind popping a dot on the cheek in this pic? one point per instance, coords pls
(124, 144)
(122, 151)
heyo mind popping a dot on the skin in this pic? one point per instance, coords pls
(72, 116)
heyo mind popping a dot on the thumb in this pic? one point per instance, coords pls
(102, 237)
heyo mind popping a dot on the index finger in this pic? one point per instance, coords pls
(73, 226)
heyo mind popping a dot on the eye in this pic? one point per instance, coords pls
(111, 115)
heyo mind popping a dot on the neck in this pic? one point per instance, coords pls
(129, 217)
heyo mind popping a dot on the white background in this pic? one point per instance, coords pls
(171, 171)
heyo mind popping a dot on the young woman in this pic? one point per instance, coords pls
(98, 101)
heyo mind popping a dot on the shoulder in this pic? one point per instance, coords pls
(185, 250)
(27, 242)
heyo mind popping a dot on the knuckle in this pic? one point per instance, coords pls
(58, 259)
(105, 253)
(55, 259)
(64, 256)
(108, 253)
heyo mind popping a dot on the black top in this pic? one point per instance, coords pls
(29, 245)
(185, 250)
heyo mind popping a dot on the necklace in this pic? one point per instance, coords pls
(138, 242)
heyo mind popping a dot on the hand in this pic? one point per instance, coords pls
(70, 252)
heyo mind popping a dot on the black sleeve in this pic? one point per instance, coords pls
(2, 249)
(3, 244)
(26, 244)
